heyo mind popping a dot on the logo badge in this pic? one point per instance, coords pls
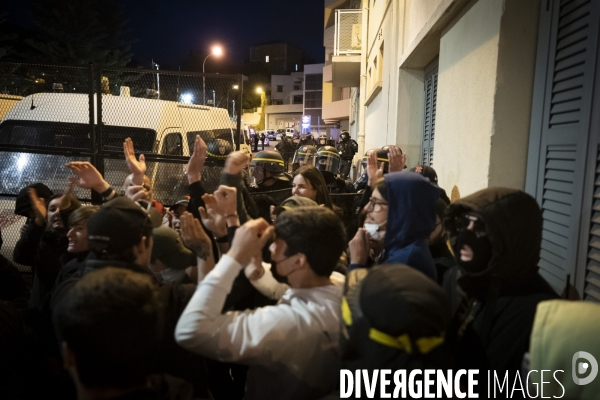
(581, 367)
(222, 150)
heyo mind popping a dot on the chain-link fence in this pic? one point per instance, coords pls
(51, 115)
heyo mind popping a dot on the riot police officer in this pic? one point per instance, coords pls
(268, 172)
(306, 140)
(328, 162)
(286, 148)
(382, 157)
(305, 155)
(346, 150)
(323, 140)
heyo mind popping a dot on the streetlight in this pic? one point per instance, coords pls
(216, 51)
(234, 87)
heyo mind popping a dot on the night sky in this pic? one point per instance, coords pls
(167, 30)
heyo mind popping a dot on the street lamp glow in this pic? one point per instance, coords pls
(187, 98)
(235, 87)
(259, 90)
(217, 51)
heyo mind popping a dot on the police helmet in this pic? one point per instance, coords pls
(218, 148)
(344, 136)
(323, 140)
(267, 160)
(305, 155)
(328, 159)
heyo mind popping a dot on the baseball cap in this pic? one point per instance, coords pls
(120, 224)
(182, 201)
(168, 248)
(293, 202)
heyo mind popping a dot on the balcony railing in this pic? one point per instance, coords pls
(348, 32)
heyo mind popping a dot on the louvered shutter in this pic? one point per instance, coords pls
(431, 77)
(591, 280)
(560, 129)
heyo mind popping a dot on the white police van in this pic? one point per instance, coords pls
(61, 120)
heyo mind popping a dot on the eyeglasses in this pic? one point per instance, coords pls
(471, 222)
(374, 205)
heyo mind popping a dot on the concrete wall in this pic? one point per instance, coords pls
(415, 16)
(465, 98)
(514, 93)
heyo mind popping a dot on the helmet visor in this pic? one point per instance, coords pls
(328, 161)
(304, 157)
(257, 172)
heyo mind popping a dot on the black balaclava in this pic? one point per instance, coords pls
(482, 251)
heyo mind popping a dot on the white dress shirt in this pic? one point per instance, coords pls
(292, 347)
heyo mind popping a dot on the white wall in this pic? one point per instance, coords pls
(465, 98)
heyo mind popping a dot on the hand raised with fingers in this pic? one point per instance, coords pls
(39, 208)
(251, 236)
(194, 237)
(137, 167)
(88, 177)
(196, 163)
(397, 159)
(359, 247)
(65, 199)
(236, 162)
(212, 219)
(226, 200)
(255, 270)
(373, 172)
(137, 193)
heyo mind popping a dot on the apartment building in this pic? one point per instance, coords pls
(489, 93)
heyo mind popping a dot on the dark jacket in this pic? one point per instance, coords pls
(172, 358)
(411, 218)
(502, 299)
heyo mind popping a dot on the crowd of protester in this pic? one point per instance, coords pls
(231, 294)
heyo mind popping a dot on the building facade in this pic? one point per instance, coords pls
(278, 58)
(489, 93)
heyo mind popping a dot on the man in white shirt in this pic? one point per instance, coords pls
(292, 347)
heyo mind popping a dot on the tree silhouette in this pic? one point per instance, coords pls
(79, 32)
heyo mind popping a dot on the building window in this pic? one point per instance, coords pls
(266, 59)
(431, 77)
(279, 88)
(314, 99)
(380, 71)
(297, 87)
(314, 82)
(297, 99)
(277, 102)
(296, 67)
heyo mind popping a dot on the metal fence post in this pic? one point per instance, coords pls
(96, 198)
(239, 114)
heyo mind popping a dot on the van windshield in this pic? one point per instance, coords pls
(209, 136)
(73, 136)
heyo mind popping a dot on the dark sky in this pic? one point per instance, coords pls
(167, 30)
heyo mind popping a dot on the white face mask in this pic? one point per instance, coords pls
(374, 231)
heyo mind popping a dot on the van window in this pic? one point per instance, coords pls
(172, 144)
(114, 136)
(42, 133)
(210, 135)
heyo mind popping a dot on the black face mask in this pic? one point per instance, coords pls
(482, 251)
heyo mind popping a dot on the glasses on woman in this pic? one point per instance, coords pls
(374, 205)
(471, 222)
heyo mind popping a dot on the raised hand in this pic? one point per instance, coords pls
(88, 177)
(65, 199)
(137, 167)
(196, 163)
(39, 208)
(137, 193)
(397, 159)
(359, 247)
(211, 216)
(252, 235)
(227, 200)
(373, 172)
(194, 236)
(236, 162)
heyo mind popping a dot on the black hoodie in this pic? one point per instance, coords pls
(503, 298)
